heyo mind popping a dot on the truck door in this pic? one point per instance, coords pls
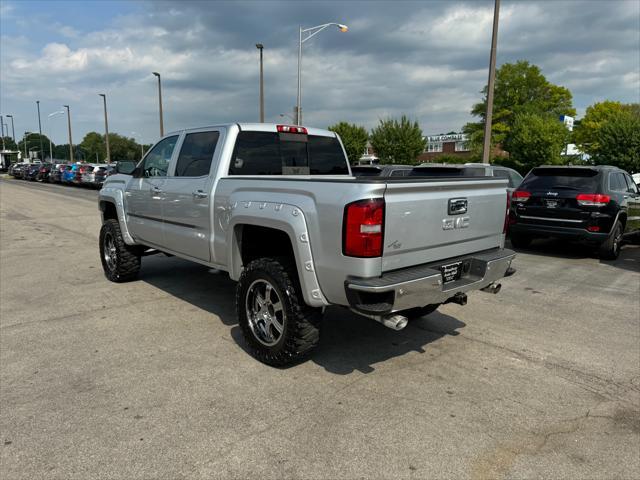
(633, 205)
(144, 193)
(187, 202)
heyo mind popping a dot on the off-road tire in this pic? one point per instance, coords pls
(127, 262)
(301, 332)
(520, 240)
(419, 312)
(610, 248)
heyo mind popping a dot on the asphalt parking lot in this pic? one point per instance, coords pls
(150, 379)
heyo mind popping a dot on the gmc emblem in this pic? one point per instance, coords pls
(457, 206)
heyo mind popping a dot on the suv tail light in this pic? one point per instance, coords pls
(520, 196)
(291, 129)
(363, 228)
(592, 199)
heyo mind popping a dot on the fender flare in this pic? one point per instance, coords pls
(288, 219)
(115, 196)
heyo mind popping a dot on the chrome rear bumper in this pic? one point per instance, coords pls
(423, 285)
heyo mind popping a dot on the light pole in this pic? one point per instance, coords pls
(310, 33)
(488, 117)
(13, 130)
(40, 130)
(2, 126)
(160, 103)
(106, 127)
(135, 134)
(70, 141)
(59, 112)
(260, 47)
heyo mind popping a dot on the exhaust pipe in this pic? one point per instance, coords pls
(460, 298)
(393, 321)
(492, 288)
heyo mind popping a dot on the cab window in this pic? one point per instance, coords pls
(156, 162)
(196, 154)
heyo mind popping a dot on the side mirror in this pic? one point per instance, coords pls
(125, 167)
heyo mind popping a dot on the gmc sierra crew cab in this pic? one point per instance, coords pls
(276, 206)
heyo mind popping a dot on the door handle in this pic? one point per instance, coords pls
(199, 194)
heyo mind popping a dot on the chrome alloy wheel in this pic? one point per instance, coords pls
(265, 312)
(109, 251)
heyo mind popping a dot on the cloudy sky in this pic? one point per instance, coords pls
(422, 58)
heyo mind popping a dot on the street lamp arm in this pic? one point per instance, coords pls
(317, 29)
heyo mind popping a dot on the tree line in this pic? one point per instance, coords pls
(526, 130)
(91, 149)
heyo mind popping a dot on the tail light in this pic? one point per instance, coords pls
(520, 196)
(363, 228)
(291, 129)
(506, 214)
(592, 199)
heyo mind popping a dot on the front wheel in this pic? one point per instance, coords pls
(278, 326)
(120, 262)
(610, 249)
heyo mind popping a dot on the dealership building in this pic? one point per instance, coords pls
(450, 144)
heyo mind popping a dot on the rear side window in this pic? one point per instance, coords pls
(268, 153)
(583, 179)
(399, 173)
(196, 154)
(366, 171)
(631, 186)
(617, 182)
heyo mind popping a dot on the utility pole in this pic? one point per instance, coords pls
(2, 125)
(106, 127)
(40, 131)
(160, 103)
(260, 47)
(488, 118)
(70, 141)
(13, 130)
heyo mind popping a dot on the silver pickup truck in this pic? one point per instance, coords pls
(277, 208)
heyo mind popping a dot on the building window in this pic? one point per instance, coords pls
(434, 147)
(462, 147)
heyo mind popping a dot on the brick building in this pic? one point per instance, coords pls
(450, 144)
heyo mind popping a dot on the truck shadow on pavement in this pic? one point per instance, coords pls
(629, 258)
(349, 342)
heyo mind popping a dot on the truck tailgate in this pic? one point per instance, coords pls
(422, 224)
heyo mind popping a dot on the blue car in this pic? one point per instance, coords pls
(69, 174)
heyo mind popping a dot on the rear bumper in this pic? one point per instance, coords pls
(568, 233)
(423, 285)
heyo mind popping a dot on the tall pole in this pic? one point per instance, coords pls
(299, 100)
(40, 130)
(160, 103)
(260, 47)
(486, 147)
(106, 127)
(70, 141)
(2, 125)
(13, 130)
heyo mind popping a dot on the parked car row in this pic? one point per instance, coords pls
(86, 174)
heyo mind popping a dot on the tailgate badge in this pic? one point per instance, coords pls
(457, 206)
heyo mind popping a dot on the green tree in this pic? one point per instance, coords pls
(587, 131)
(33, 145)
(536, 139)
(354, 138)
(398, 141)
(8, 144)
(520, 88)
(94, 146)
(618, 141)
(123, 148)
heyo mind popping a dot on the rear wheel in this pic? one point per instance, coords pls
(120, 262)
(520, 240)
(610, 249)
(278, 326)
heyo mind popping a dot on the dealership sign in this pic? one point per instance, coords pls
(452, 137)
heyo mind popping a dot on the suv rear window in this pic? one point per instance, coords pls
(366, 171)
(583, 179)
(446, 171)
(268, 153)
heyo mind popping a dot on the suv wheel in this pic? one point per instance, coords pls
(610, 249)
(278, 326)
(120, 262)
